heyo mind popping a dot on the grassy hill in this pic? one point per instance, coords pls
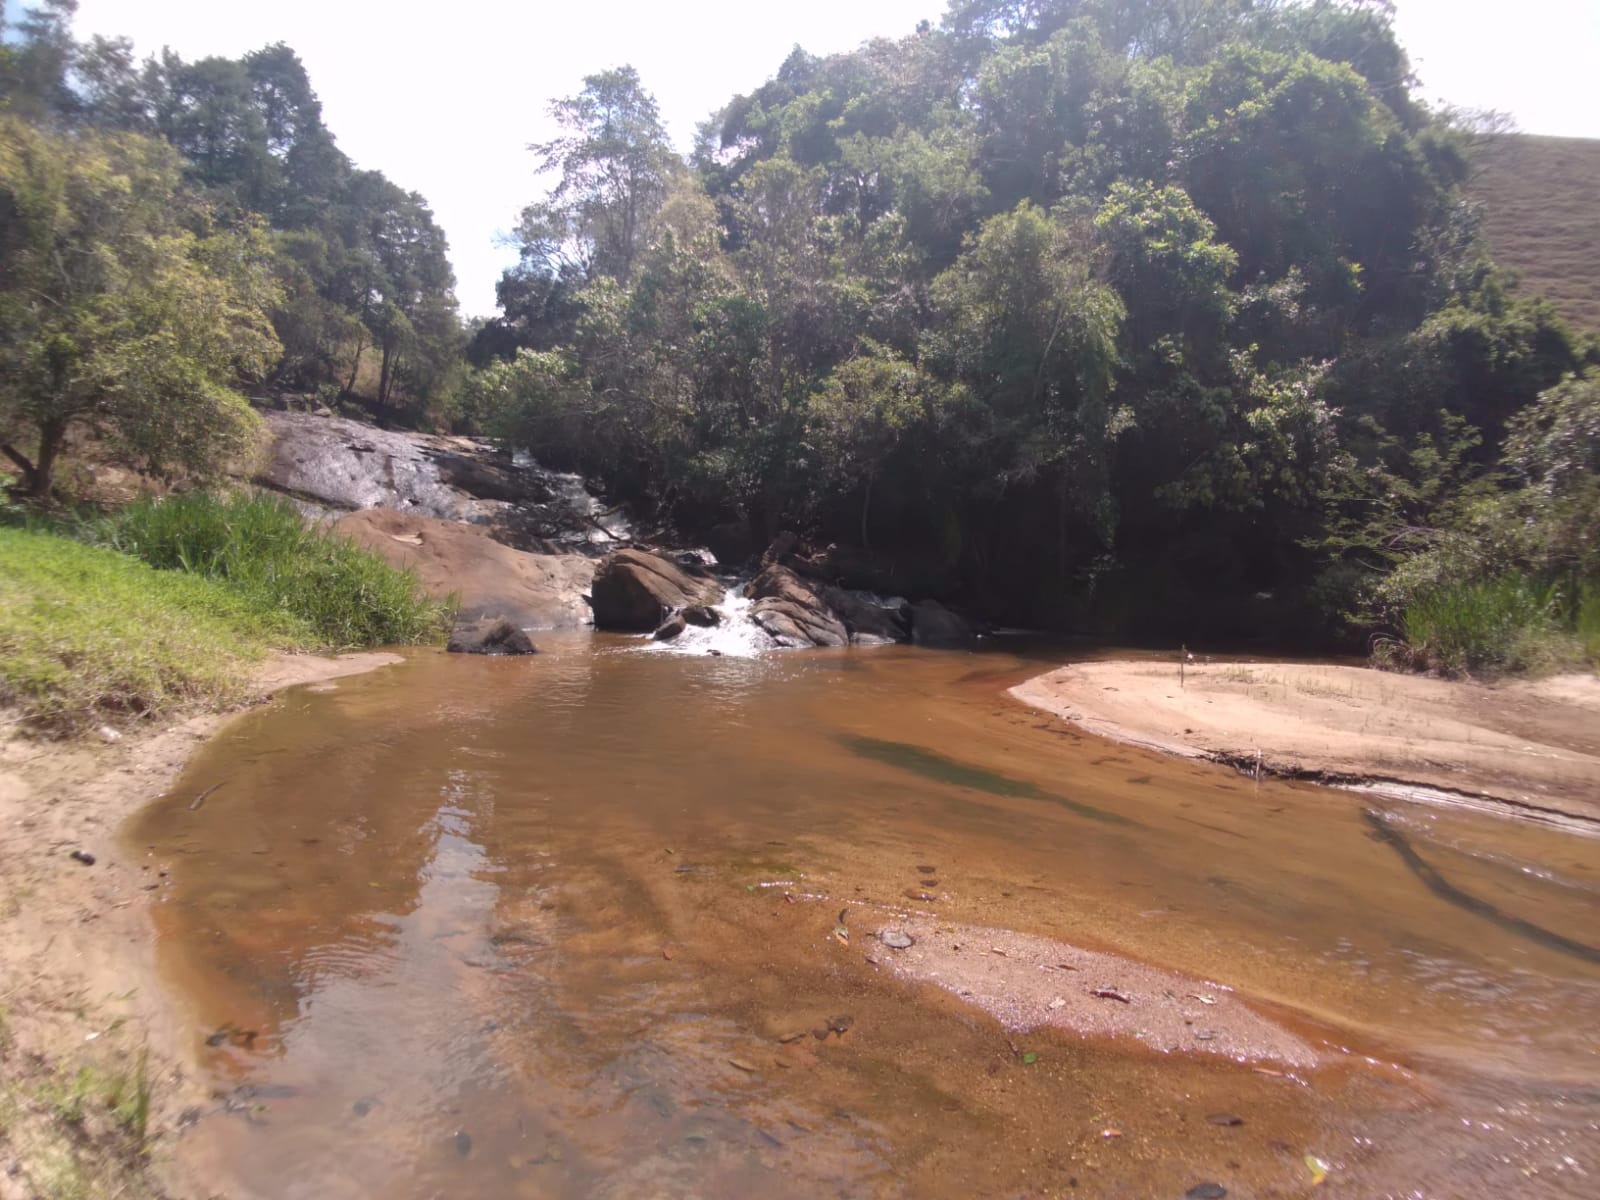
(1541, 200)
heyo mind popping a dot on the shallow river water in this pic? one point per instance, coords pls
(571, 926)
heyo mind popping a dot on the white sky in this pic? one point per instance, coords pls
(444, 98)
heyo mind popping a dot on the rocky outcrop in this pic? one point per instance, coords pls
(792, 612)
(635, 590)
(490, 635)
(330, 465)
(532, 591)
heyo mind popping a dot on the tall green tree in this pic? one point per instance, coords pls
(125, 307)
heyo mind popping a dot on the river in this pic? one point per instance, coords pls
(600, 923)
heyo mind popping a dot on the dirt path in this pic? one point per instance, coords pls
(91, 1060)
(1531, 747)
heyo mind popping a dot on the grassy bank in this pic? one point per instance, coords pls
(166, 605)
(1509, 624)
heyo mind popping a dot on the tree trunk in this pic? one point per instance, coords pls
(383, 374)
(51, 434)
(350, 384)
(866, 512)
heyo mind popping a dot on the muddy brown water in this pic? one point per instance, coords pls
(551, 927)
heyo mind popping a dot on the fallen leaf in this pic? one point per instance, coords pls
(1267, 1071)
(1202, 999)
(792, 1037)
(1058, 1002)
(666, 953)
(1106, 993)
(742, 1065)
(1029, 1059)
(1225, 1119)
(1319, 1169)
(1110, 1133)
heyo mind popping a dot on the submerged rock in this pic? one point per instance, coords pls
(489, 635)
(635, 590)
(702, 615)
(671, 628)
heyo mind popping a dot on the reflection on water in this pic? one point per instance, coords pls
(499, 927)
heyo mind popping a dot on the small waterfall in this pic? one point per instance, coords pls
(735, 636)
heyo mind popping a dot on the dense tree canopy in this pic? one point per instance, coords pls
(1094, 302)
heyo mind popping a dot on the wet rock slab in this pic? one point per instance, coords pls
(1026, 982)
(490, 580)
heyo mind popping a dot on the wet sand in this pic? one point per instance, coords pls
(78, 984)
(1532, 746)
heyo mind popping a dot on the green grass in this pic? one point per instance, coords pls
(261, 547)
(1586, 620)
(175, 601)
(89, 636)
(1511, 623)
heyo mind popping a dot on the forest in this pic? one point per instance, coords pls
(1158, 319)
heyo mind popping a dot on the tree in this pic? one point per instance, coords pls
(865, 411)
(615, 164)
(125, 307)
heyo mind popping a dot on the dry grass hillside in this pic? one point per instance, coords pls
(1541, 200)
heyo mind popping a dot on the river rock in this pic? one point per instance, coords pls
(532, 591)
(869, 624)
(635, 590)
(490, 635)
(932, 624)
(702, 615)
(672, 627)
(792, 612)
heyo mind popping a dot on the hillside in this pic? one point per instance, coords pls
(1540, 218)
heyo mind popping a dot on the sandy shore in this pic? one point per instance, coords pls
(1529, 747)
(78, 989)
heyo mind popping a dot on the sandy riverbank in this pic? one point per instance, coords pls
(1529, 746)
(78, 991)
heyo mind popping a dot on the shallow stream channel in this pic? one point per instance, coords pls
(617, 922)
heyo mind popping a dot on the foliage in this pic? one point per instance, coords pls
(339, 594)
(125, 306)
(1508, 622)
(361, 265)
(1190, 286)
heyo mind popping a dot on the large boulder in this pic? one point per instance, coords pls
(869, 624)
(792, 612)
(532, 591)
(635, 590)
(932, 624)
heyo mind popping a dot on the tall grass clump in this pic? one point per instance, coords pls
(261, 546)
(1511, 622)
(1586, 620)
(89, 636)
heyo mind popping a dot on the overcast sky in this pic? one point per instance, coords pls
(444, 98)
